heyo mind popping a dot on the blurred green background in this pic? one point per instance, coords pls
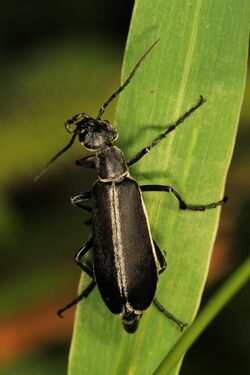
(57, 60)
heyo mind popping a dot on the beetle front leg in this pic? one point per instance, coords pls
(162, 136)
(182, 204)
(78, 199)
(77, 202)
(85, 162)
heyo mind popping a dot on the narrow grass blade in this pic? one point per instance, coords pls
(226, 292)
(202, 50)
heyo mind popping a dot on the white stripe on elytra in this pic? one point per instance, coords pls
(117, 240)
(150, 234)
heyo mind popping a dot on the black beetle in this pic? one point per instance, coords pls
(126, 259)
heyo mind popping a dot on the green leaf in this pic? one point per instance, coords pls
(202, 50)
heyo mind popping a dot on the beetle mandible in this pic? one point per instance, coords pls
(126, 259)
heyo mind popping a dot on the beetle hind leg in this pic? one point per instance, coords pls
(161, 260)
(88, 270)
(82, 295)
(180, 324)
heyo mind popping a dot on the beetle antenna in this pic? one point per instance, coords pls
(56, 156)
(102, 109)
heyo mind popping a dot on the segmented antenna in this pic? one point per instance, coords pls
(102, 109)
(56, 156)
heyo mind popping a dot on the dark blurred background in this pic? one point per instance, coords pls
(58, 59)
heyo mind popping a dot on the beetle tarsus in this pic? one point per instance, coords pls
(84, 294)
(182, 204)
(179, 323)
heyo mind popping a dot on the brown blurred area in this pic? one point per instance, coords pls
(40, 85)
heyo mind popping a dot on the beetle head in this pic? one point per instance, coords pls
(95, 134)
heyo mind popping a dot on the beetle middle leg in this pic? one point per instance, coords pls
(78, 199)
(182, 204)
(79, 255)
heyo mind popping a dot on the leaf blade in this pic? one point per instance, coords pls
(201, 54)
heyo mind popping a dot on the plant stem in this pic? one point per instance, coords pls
(225, 293)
